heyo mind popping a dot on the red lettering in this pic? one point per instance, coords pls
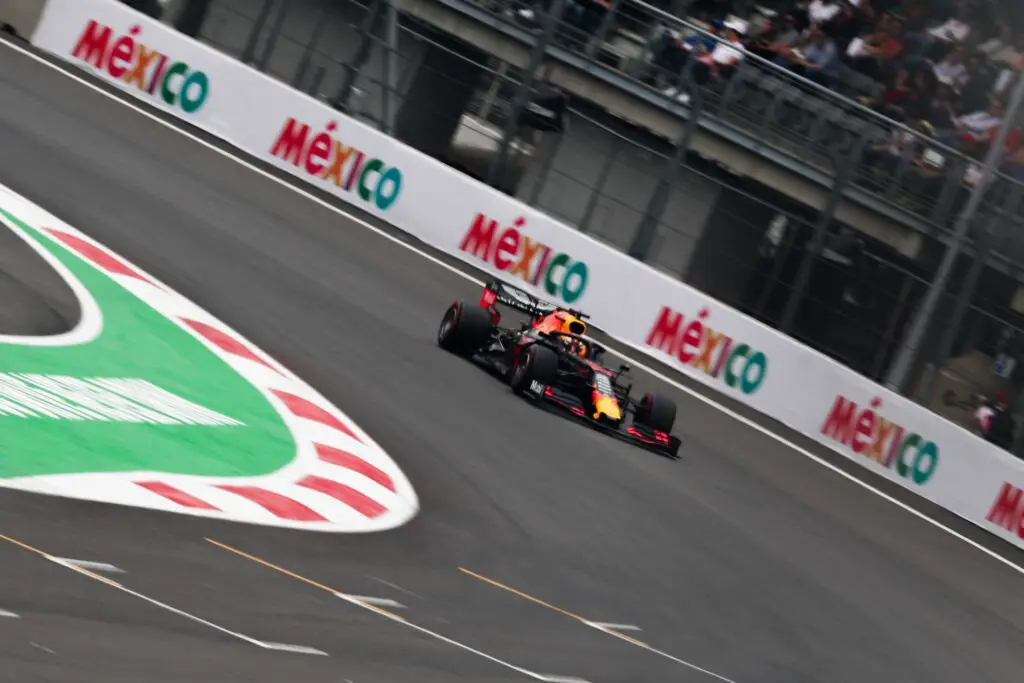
(690, 343)
(865, 432)
(841, 421)
(319, 150)
(480, 237)
(1006, 512)
(665, 333)
(508, 246)
(291, 143)
(93, 43)
(121, 56)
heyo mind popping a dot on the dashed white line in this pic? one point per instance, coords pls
(88, 564)
(301, 649)
(370, 600)
(79, 568)
(43, 648)
(445, 639)
(613, 627)
(5, 614)
(600, 626)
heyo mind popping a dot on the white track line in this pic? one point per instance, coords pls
(301, 649)
(380, 602)
(661, 653)
(5, 614)
(635, 363)
(613, 627)
(87, 564)
(548, 678)
(240, 636)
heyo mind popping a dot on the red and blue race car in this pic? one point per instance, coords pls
(550, 360)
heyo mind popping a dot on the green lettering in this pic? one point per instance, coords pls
(178, 69)
(738, 352)
(901, 464)
(760, 363)
(549, 284)
(923, 469)
(374, 165)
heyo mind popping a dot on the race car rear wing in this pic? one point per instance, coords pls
(496, 291)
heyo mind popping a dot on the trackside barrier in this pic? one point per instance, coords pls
(659, 316)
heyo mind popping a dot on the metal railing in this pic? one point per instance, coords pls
(794, 269)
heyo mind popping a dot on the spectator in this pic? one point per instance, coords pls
(955, 30)
(942, 118)
(996, 46)
(911, 96)
(874, 54)
(707, 65)
(1008, 62)
(817, 61)
(849, 24)
(976, 131)
(998, 427)
(1013, 164)
(788, 36)
(821, 12)
(952, 70)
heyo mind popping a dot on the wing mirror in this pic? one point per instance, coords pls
(624, 369)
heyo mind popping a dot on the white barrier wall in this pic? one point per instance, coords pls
(653, 313)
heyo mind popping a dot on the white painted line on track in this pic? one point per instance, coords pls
(613, 627)
(394, 617)
(454, 643)
(5, 614)
(382, 233)
(370, 600)
(209, 624)
(43, 648)
(600, 626)
(661, 653)
(95, 566)
(301, 649)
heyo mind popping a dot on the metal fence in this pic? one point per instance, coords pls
(800, 271)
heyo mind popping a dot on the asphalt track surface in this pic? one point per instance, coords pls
(745, 558)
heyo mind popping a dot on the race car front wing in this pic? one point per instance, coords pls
(637, 434)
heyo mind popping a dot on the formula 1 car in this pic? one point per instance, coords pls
(550, 360)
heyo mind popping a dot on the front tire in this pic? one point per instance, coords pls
(656, 411)
(464, 329)
(536, 364)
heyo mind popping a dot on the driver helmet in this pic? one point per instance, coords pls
(573, 325)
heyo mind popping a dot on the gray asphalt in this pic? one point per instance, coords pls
(745, 558)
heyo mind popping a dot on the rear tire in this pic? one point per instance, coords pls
(464, 329)
(537, 364)
(656, 411)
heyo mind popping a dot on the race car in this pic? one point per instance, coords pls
(549, 360)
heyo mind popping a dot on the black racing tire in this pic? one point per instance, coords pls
(464, 329)
(537, 364)
(656, 411)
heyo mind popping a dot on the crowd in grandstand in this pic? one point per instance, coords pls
(944, 68)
